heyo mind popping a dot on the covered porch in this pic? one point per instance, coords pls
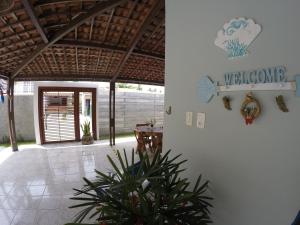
(112, 41)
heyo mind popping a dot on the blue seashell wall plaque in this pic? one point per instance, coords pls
(236, 36)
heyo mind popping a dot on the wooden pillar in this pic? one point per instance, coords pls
(112, 113)
(11, 115)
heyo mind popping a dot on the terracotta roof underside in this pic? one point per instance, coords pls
(126, 42)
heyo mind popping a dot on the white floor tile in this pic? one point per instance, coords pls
(25, 217)
(6, 216)
(48, 217)
(50, 202)
(36, 190)
(5, 189)
(39, 191)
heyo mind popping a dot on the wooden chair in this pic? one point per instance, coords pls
(142, 141)
(156, 143)
(143, 125)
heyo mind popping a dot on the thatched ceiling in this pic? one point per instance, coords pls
(123, 40)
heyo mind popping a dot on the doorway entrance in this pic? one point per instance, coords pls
(62, 110)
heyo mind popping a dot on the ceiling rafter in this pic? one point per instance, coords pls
(27, 20)
(5, 38)
(90, 44)
(30, 11)
(85, 77)
(12, 30)
(55, 61)
(157, 7)
(50, 2)
(48, 67)
(14, 52)
(98, 61)
(126, 20)
(109, 61)
(29, 68)
(152, 34)
(138, 66)
(97, 9)
(13, 44)
(76, 56)
(40, 68)
(157, 45)
(91, 28)
(97, 45)
(66, 61)
(148, 54)
(67, 14)
(108, 23)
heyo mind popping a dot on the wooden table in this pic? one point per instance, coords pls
(149, 138)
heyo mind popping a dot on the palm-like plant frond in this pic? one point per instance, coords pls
(150, 192)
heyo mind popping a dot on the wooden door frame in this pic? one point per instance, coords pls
(76, 91)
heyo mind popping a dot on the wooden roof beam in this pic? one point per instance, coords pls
(91, 28)
(90, 44)
(97, 45)
(158, 6)
(76, 57)
(148, 54)
(98, 61)
(85, 77)
(153, 32)
(108, 24)
(30, 11)
(99, 8)
(51, 2)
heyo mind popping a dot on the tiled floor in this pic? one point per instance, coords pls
(36, 182)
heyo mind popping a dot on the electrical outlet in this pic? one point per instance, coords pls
(200, 120)
(189, 118)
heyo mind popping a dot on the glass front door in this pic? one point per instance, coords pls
(58, 114)
(63, 111)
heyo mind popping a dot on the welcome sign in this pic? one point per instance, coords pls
(266, 79)
(267, 75)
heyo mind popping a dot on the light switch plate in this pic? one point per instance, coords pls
(200, 120)
(189, 118)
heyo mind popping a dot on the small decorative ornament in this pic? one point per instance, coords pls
(1, 95)
(226, 102)
(281, 104)
(236, 36)
(250, 109)
(2, 91)
(169, 110)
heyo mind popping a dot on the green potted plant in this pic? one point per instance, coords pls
(87, 137)
(145, 193)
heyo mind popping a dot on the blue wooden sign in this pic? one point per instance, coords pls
(266, 75)
(268, 79)
(206, 89)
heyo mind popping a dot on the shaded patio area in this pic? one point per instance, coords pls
(36, 182)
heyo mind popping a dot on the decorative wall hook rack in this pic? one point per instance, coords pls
(239, 81)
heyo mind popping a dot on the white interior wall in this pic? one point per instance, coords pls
(254, 170)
